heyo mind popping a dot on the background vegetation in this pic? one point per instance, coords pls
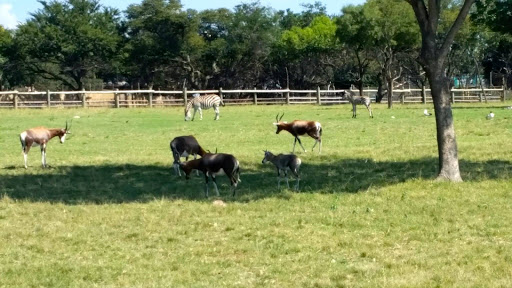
(110, 211)
(77, 44)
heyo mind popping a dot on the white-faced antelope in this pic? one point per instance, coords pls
(283, 162)
(212, 165)
(185, 146)
(300, 127)
(358, 100)
(203, 102)
(40, 136)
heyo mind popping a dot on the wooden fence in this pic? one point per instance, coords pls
(155, 98)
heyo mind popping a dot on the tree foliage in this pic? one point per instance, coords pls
(67, 41)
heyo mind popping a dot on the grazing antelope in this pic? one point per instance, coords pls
(358, 100)
(184, 146)
(283, 162)
(300, 127)
(203, 102)
(40, 136)
(212, 165)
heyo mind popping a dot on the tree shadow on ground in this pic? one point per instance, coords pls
(143, 183)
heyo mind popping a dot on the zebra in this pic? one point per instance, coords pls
(358, 100)
(203, 102)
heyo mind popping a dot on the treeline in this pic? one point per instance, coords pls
(81, 44)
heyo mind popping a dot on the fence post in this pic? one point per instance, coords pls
(48, 99)
(504, 91)
(185, 96)
(453, 97)
(480, 96)
(255, 97)
(287, 96)
(318, 101)
(150, 99)
(84, 99)
(424, 94)
(15, 99)
(116, 97)
(402, 98)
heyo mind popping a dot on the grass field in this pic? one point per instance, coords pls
(109, 212)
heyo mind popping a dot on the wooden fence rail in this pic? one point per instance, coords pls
(156, 98)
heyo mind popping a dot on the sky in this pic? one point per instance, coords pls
(13, 12)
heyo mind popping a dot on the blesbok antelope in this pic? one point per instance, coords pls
(203, 102)
(213, 165)
(283, 162)
(358, 100)
(298, 128)
(185, 146)
(40, 136)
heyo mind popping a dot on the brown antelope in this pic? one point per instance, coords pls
(358, 100)
(40, 136)
(212, 165)
(300, 127)
(283, 162)
(184, 146)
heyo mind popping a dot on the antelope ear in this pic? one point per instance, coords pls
(275, 123)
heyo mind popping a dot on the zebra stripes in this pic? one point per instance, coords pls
(203, 102)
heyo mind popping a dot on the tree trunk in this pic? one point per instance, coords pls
(446, 141)
(390, 92)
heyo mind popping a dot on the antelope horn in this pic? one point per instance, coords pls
(68, 128)
(277, 116)
(281, 117)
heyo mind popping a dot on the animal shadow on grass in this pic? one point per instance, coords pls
(143, 183)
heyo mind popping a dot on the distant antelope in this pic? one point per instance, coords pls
(212, 165)
(283, 162)
(203, 102)
(184, 146)
(298, 128)
(40, 136)
(358, 100)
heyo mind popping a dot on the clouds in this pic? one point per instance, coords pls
(7, 18)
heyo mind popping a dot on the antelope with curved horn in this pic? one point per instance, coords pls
(40, 136)
(300, 127)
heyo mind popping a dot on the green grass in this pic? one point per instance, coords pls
(110, 212)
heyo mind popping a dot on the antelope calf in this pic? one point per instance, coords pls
(300, 127)
(40, 136)
(185, 146)
(283, 162)
(213, 165)
(358, 100)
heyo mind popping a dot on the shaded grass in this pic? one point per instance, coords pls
(110, 212)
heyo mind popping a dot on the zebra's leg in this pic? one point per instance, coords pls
(216, 108)
(286, 177)
(354, 114)
(200, 113)
(370, 110)
(194, 115)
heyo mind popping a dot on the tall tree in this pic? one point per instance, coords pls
(357, 33)
(396, 36)
(68, 41)
(312, 54)
(5, 41)
(434, 51)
